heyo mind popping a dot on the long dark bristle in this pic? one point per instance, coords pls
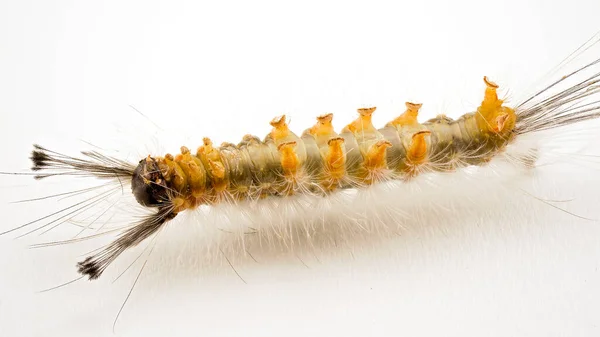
(95, 164)
(575, 103)
(94, 266)
(89, 268)
(39, 159)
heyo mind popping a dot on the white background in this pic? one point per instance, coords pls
(69, 71)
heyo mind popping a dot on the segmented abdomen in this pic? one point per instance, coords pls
(321, 160)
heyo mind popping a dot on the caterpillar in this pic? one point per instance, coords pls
(320, 162)
(494, 247)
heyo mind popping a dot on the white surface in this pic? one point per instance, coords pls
(495, 267)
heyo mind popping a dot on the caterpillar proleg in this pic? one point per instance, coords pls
(411, 218)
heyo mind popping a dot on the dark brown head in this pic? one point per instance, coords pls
(148, 184)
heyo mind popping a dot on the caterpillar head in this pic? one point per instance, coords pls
(148, 184)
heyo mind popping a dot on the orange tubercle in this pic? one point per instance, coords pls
(335, 159)
(289, 158)
(175, 174)
(323, 126)
(492, 116)
(212, 159)
(280, 128)
(363, 122)
(409, 117)
(417, 151)
(193, 170)
(375, 156)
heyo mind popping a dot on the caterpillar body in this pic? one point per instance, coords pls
(321, 162)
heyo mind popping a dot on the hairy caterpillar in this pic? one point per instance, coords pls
(321, 161)
(239, 305)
